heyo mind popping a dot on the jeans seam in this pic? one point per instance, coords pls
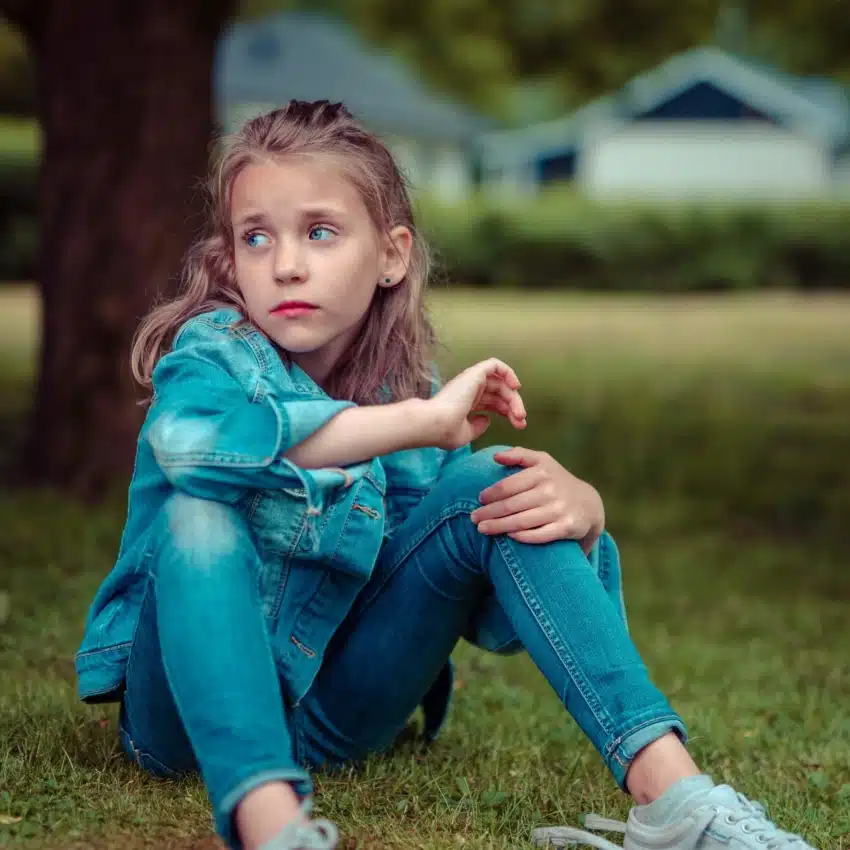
(561, 651)
(604, 562)
(100, 650)
(462, 505)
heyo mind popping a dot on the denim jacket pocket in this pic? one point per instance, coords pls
(321, 587)
(356, 533)
(279, 519)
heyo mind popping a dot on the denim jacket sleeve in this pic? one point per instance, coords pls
(218, 426)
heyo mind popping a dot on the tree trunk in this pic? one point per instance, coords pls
(126, 102)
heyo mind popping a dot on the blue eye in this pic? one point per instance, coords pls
(252, 239)
(321, 229)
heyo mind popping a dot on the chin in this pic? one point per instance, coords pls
(297, 346)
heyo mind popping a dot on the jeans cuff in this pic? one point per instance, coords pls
(629, 745)
(298, 778)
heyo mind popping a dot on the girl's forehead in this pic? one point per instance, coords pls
(287, 182)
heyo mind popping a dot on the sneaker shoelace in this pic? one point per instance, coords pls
(562, 836)
(751, 819)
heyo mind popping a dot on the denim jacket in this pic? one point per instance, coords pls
(225, 409)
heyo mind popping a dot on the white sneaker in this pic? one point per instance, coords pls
(721, 819)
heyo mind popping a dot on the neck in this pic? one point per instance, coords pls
(316, 364)
(319, 364)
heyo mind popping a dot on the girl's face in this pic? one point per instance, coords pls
(308, 258)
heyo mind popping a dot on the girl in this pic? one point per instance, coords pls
(309, 534)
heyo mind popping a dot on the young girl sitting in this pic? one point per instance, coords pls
(309, 534)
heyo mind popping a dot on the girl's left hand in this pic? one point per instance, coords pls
(542, 503)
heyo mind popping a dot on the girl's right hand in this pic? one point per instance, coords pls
(459, 408)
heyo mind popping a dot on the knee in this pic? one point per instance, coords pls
(476, 472)
(201, 534)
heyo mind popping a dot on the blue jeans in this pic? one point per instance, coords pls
(203, 691)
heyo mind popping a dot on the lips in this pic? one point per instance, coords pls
(293, 308)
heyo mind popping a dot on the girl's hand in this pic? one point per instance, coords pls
(457, 411)
(542, 503)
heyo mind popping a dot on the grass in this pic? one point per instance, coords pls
(777, 336)
(783, 337)
(747, 634)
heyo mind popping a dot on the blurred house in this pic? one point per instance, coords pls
(261, 64)
(703, 122)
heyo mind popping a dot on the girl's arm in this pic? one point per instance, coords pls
(361, 433)
(217, 429)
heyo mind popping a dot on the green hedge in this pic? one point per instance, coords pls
(562, 241)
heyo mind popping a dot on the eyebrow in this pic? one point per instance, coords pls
(252, 218)
(321, 210)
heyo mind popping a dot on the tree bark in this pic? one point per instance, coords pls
(126, 108)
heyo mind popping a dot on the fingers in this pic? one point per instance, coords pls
(498, 387)
(512, 408)
(518, 456)
(519, 482)
(522, 521)
(494, 402)
(524, 501)
(516, 406)
(499, 368)
(543, 534)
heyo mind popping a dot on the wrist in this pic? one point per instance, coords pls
(422, 422)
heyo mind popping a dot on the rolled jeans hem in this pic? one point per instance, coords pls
(298, 778)
(622, 754)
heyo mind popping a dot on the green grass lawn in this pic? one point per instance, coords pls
(748, 633)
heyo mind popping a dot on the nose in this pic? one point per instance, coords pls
(289, 263)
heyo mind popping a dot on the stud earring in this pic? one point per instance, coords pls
(388, 280)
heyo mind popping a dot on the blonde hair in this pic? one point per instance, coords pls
(391, 357)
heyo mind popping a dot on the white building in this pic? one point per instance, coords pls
(703, 123)
(261, 64)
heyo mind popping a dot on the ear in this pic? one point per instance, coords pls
(395, 256)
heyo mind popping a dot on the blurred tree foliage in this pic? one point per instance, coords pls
(526, 59)
(522, 60)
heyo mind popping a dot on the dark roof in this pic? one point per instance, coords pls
(300, 56)
(814, 107)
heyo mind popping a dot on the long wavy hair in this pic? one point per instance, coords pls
(390, 359)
